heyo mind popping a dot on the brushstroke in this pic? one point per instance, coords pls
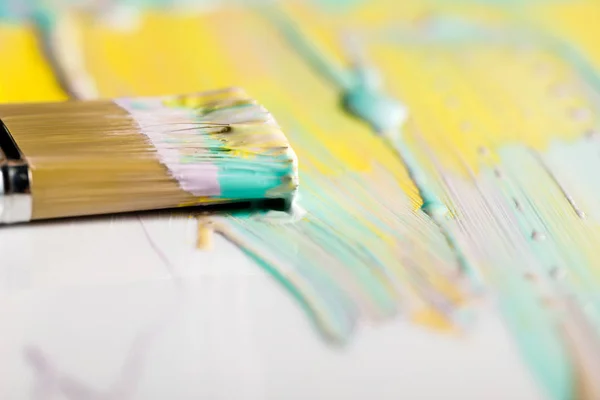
(363, 97)
(485, 230)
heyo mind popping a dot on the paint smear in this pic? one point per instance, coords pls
(447, 162)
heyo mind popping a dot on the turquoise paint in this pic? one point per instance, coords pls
(15, 11)
(342, 236)
(18, 11)
(455, 30)
(576, 162)
(432, 205)
(365, 100)
(534, 326)
(338, 332)
(368, 273)
(438, 212)
(328, 306)
(44, 19)
(386, 117)
(251, 178)
(339, 5)
(537, 338)
(251, 175)
(362, 97)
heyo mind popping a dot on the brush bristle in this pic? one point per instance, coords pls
(132, 154)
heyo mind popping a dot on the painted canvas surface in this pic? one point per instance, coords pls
(448, 156)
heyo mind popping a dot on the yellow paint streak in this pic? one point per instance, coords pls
(24, 74)
(159, 57)
(204, 240)
(574, 21)
(430, 318)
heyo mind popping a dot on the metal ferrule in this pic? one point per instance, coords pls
(15, 181)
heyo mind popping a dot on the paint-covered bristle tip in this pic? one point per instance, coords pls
(220, 144)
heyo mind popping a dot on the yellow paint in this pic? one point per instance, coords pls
(24, 74)
(122, 61)
(205, 233)
(430, 318)
(575, 21)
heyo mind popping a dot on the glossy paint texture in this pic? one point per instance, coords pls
(447, 162)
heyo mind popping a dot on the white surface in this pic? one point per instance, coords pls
(110, 319)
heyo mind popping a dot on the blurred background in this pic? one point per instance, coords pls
(90, 48)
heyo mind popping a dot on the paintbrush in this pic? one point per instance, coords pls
(132, 154)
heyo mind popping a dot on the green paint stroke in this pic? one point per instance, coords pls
(328, 307)
(537, 339)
